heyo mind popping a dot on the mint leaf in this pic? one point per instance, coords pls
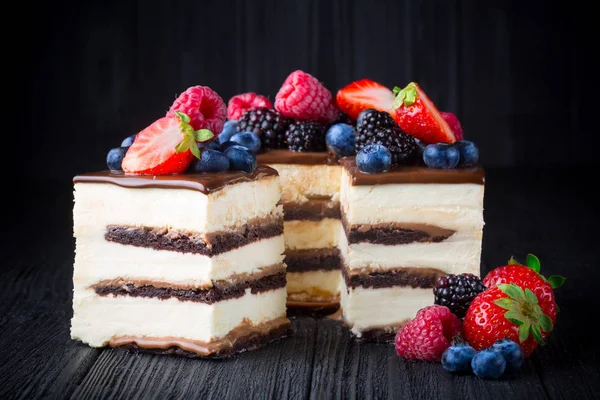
(505, 303)
(546, 323)
(537, 334)
(533, 262)
(512, 261)
(530, 296)
(202, 135)
(183, 116)
(556, 281)
(524, 331)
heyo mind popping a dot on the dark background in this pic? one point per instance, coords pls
(518, 74)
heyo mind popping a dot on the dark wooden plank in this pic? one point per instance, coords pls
(281, 370)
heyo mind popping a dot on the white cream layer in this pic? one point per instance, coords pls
(301, 182)
(365, 309)
(102, 204)
(97, 319)
(304, 234)
(314, 283)
(97, 260)
(457, 254)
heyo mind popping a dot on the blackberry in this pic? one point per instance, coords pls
(343, 118)
(404, 149)
(371, 119)
(457, 292)
(269, 125)
(306, 136)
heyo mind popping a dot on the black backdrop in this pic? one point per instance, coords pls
(518, 74)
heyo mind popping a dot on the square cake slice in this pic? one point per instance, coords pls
(403, 229)
(310, 195)
(189, 264)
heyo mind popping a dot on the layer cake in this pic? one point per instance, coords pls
(189, 264)
(402, 229)
(310, 196)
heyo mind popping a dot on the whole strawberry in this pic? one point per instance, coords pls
(506, 311)
(528, 277)
(428, 335)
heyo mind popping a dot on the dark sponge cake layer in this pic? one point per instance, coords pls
(216, 293)
(313, 260)
(209, 244)
(312, 210)
(414, 277)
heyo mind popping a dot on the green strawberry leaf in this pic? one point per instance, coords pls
(202, 135)
(512, 261)
(531, 297)
(406, 96)
(183, 116)
(396, 90)
(513, 291)
(556, 281)
(195, 150)
(524, 331)
(505, 303)
(515, 317)
(533, 262)
(537, 334)
(183, 146)
(546, 323)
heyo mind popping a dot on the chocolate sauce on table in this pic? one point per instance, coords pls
(202, 182)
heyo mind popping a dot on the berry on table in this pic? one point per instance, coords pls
(428, 335)
(269, 125)
(441, 155)
(341, 138)
(488, 364)
(203, 105)
(240, 159)
(247, 140)
(114, 159)
(512, 353)
(457, 357)
(239, 104)
(457, 291)
(303, 97)
(454, 124)
(306, 136)
(211, 161)
(230, 128)
(469, 153)
(373, 159)
(364, 94)
(128, 141)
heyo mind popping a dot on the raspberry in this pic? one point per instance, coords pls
(428, 335)
(303, 97)
(241, 103)
(204, 106)
(454, 124)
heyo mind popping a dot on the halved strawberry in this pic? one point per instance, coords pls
(363, 94)
(418, 116)
(165, 147)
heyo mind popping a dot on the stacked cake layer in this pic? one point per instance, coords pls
(310, 196)
(189, 264)
(402, 230)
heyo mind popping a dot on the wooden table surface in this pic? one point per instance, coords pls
(547, 212)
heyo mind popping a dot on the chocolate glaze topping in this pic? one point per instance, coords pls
(295, 157)
(202, 182)
(413, 175)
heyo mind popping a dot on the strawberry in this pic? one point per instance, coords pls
(363, 94)
(506, 311)
(416, 114)
(165, 147)
(528, 277)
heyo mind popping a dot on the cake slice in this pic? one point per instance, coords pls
(310, 195)
(189, 264)
(403, 229)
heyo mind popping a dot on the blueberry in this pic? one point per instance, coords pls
(212, 145)
(128, 141)
(341, 138)
(469, 153)
(441, 155)
(229, 129)
(488, 363)
(240, 158)
(457, 358)
(225, 145)
(247, 140)
(115, 157)
(512, 352)
(373, 158)
(211, 161)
